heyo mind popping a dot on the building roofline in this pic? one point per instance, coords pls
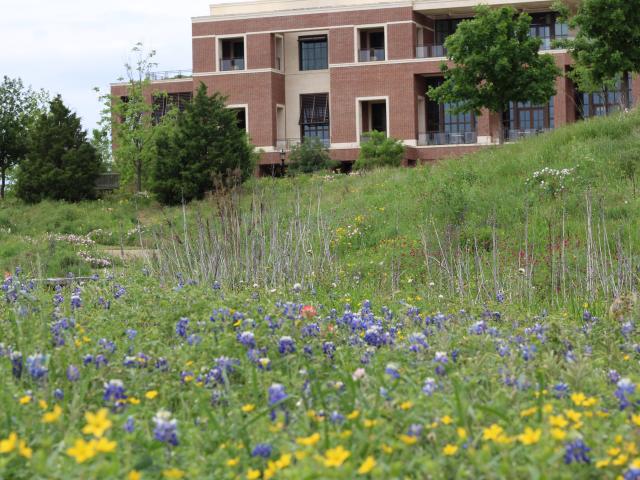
(283, 8)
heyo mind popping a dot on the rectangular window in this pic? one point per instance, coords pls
(548, 28)
(594, 104)
(446, 127)
(231, 54)
(371, 45)
(314, 54)
(163, 103)
(314, 116)
(525, 119)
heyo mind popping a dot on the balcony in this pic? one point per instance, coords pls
(511, 135)
(170, 75)
(230, 64)
(430, 51)
(371, 55)
(445, 138)
(287, 144)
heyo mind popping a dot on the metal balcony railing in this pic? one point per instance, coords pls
(230, 64)
(430, 51)
(287, 143)
(512, 135)
(371, 55)
(447, 138)
(170, 74)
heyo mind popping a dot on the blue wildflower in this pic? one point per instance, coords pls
(262, 450)
(286, 346)
(129, 426)
(36, 365)
(247, 339)
(181, 327)
(576, 451)
(429, 386)
(114, 392)
(166, 428)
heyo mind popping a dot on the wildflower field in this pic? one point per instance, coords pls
(447, 321)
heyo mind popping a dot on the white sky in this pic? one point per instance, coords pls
(71, 46)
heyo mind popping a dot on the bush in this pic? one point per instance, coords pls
(60, 164)
(379, 151)
(309, 156)
(205, 150)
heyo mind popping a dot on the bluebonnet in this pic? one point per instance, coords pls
(131, 333)
(181, 327)
(216, 285)
(108, 345)
(87, 359)
(336, 417)
(329, 348)
(392, 370)
(307, 350)
(384, 393)
(277, 394)
(500, 296)
(418, 342)
(632, 474)
(560, 390)
(247, 339)
(58, 394)
(625, 387)
(576, 451)
(429, 386)
(415, 430)
(613, 376)
(478, 328)
(114, 392)
(36, 365)
(627, 329)
(194, 339)
(119, 291)
(441, 359)
(129, 425)
(16, 364)
(162, 364)
(286, 345)
(76, 301)
(73, 374)
(262, 450)
(166, 428)
(527, 351)
(310, 330)
(374, 336)
(100, 360)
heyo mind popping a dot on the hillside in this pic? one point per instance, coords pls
(469, 227)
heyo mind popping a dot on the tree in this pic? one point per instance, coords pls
(134, 131)
(18, 108)
(379, 151)
(60, 164)
(496, 62)
(606, 48)
(309, 156)
(205, 150)
(629, 163)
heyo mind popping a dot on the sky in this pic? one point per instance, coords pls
(71, 46)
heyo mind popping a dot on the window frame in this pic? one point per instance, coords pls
(313, 39)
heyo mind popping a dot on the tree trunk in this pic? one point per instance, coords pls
(3, 174)
(138, 176)
(500, 128)
(624, 91)
(605, 96)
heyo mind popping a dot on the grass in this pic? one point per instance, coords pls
(447, 321)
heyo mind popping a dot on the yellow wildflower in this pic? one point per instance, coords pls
(386, 448)
(620, 460)
(369, 423)
(603, 463)
(24, 450)
(446, 420)
(104, 445)
(300, 455)
(530, 436)
(408, 439)
(631, 448)
(97, 423)
(368, 465)
(9, 444)
(578, 398)
(308, 441)
(528, 412)
(450, 449)
(353, 415)
(151, 394)
(573, 415)
(53, 416)
(462, 433)
(173, 473)
(346, 434)
(43, 404)
(253, 474)
(492, 433)
(249, 407)
(232, 462)
(284, 461)
(134, 401)
(406, 405)
(635, 419)
(558, 434)
(82, 451)
(24, 400)
(558, 421)
(590, 402)
(335, 457)
(547, 408)
(134, 475)
(613, 452)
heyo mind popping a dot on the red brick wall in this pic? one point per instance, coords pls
(401, 40)
(204, 55)
(341, 46)
(260, 51)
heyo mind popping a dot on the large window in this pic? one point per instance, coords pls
(444, 28)
(548, 28)
(594, 104)
(163, 103)
(446, 127)
(314, 116)
(371, 45)
(525, 119)
(313, 53)
(231, 54)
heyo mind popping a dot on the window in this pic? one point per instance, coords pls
(231, 54)
(594, 105)
(371, 45)
(445, 127)
(241, 115)
(444, 28)
(524, 119)
(313, 53)
(163, 103)
(314, 116)
(548, 28)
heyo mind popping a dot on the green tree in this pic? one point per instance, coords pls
(309, 156)
(134, 130)
(606, 48)
(205, 150)
(496, 62)
(60, 164)
(629, 163)
(19, 107)
(379, 151)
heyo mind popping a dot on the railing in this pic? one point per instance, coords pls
(371, 55)
(170, 74)
(430, 51)
(107, 181)
(229, 64)
(288, 143)
(446, 138)
(511, 135)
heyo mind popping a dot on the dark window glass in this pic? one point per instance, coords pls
(314, 116)
(594, 105)
(524, 117)
(313, 53)
(440, 116)
(379, 117)
(232, 54)
(444, 28)
(163, 103)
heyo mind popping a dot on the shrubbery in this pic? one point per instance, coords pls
(60, 163)
(310, 156)
(205, 150)
(379, 151)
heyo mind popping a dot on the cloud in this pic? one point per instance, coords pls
(71, 46)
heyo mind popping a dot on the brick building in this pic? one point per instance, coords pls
(337, 70)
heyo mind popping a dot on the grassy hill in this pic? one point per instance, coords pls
(464, 228)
